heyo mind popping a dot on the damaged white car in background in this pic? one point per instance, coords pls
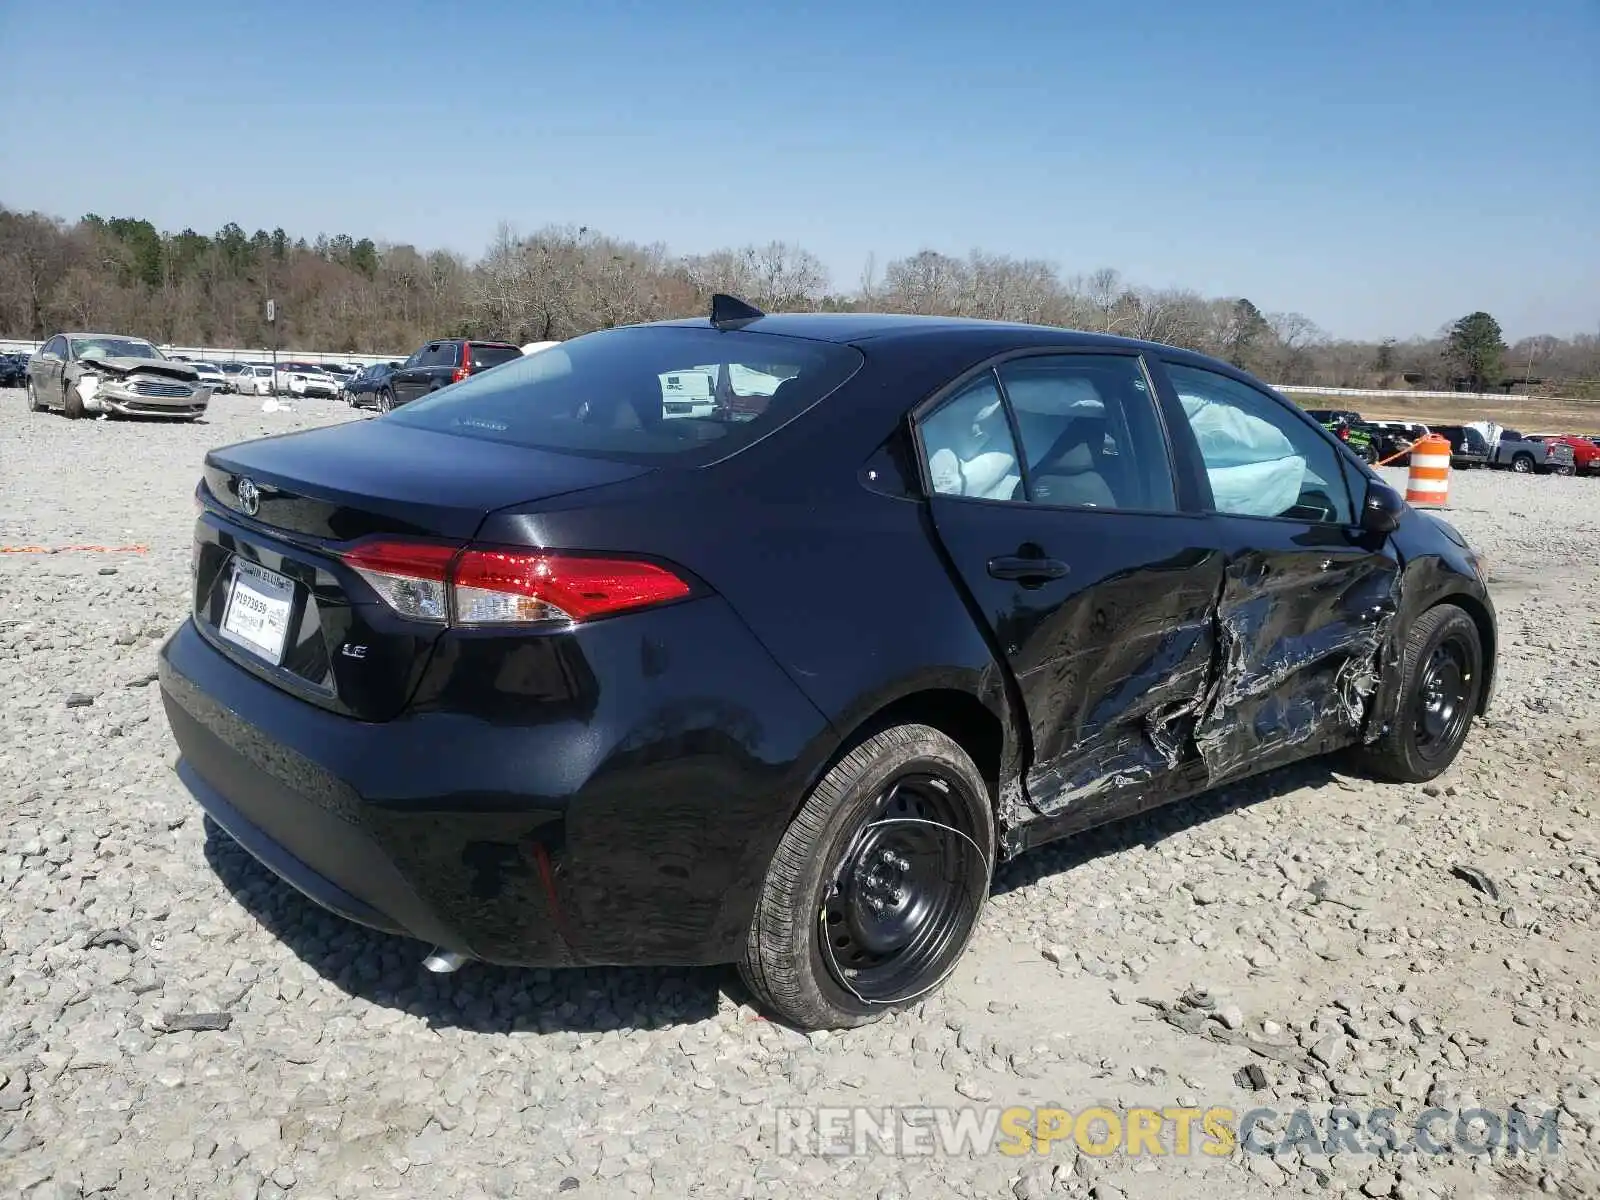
(89, 374)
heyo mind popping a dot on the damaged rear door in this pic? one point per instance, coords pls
(1052, 492)
(1308, 600)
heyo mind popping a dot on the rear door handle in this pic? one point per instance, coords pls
(1011, 566)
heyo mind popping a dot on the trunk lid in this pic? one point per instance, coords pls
(271, 590)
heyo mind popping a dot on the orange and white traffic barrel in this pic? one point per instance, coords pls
(1429, 483)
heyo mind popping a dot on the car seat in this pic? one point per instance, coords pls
(1070, 472)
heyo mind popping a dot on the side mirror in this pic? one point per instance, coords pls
(1381, 511)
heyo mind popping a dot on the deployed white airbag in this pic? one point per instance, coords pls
(967, 461)
(1253, 466)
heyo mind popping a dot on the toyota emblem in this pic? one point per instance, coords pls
(249, 497)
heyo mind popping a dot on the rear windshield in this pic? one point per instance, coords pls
(484, 357)
(655, 394)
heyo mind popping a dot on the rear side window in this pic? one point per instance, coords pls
(484, 357)
(969, 445)
(1082, 432)
(1089, 432)
(607, 394)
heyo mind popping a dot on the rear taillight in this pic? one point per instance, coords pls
(411, 577)
(465, 368)
(477, 586)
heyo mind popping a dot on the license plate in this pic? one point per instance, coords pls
(257, 615)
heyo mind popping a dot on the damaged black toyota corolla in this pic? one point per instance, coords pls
(762, 639)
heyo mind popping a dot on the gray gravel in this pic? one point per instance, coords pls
(175, 1022)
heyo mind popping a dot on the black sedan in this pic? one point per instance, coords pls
(364, 388)
(537, 672)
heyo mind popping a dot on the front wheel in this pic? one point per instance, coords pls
(1441, 683)
(877, 885)
(72, 401)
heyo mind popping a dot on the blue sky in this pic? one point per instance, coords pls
(1383, 166)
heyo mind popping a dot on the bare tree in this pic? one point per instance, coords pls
(347, 293)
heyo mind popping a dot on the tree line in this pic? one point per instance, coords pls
(350, 295)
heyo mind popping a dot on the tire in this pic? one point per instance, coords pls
(1424, 739)
(385, 401)
(71, 402)
(815, 922)
(34, 403)
(1522, 463)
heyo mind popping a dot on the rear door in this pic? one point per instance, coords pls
(1052, 491)
(410, 381)
(440, 364)
(1308, 600)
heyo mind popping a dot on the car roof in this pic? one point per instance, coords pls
(126, 337)
(854, 328)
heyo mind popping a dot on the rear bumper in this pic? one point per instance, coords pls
(633, 831)
(343, 845)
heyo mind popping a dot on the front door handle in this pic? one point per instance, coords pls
(1011, 566)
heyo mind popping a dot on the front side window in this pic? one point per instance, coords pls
(605, 394)
(1261, 460)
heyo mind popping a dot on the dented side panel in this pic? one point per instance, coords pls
(1111, 663)
(1305, 635)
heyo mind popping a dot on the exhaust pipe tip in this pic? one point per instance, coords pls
(444, 962)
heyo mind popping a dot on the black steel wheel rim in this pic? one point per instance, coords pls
(906, 893)
(1444, 690)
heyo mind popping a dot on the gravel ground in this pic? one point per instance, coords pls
(1315, 911)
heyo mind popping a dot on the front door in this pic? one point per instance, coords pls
(1309, 600)
(1052, 490)
(48, 369)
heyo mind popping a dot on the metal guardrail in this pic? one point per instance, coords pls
(238, 354)
(1392, 394)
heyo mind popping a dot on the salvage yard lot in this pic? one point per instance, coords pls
(1322, 903)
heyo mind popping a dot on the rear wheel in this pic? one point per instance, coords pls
(34, 403)
(877, 885)
(1522, 463)
(1441, 682)
(385, 400)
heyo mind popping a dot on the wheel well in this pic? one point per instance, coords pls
(960, 715)
(1480, 617)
